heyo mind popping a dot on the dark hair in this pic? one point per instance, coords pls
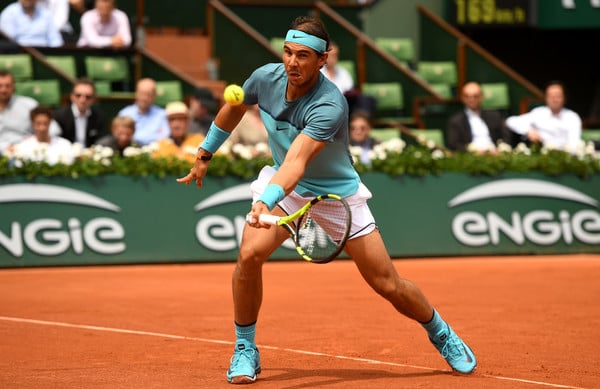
(40, 110)
(85, 81)
(312, 26)
(6, 73)
(360, 114)
(559, 84)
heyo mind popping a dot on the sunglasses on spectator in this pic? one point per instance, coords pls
(79, 95)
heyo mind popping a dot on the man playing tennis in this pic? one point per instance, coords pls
(307, 120)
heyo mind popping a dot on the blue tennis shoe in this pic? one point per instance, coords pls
(456, 352)
(245, 363)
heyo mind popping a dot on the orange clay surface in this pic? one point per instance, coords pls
(533, 322)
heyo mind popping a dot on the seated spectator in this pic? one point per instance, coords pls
(202, 111)
(81, 122)
(552, 125)
(250, 131)
(15, 110)
(105, 26)
(59, 9)
(179, 144)
(150, 119)
(337, 74)
(41, 146)
(345, 83)
(360, 129)
(474, 129)
(30, 24)
(122, 129)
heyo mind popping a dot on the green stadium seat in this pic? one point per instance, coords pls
(107, 68)
(590, 135)
(389, 103)
(277, 44)
(388, 95)
(438, 72)
(168, 91)
(400, 48)
(18, 64)
(495, 96)
(445, 90)
(383, 134)
(102, 88)
(46, 92)
(433, 134)
(66, 63)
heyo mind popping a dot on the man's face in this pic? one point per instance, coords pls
(83, 97)
(7, 88)
(178, 125)
(28, 5)
(41, 125)
(302, 64)
(555, 98)
(144, 95)
(104, 8)
(472, 96)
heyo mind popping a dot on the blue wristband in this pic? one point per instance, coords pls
(214, 138)
(272, 195)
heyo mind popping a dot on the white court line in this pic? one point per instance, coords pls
(216, 341)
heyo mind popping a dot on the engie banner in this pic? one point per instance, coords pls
(119, 219)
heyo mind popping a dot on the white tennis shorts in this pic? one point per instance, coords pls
(363, 221)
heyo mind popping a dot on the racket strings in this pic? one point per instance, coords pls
(323, 228)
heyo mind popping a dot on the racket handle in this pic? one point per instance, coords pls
(264, 218)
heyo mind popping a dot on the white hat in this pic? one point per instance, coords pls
(176, 108)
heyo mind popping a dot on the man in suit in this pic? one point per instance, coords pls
(474, 129)
(80, 121)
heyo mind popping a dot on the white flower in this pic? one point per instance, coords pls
(262, 148)
(131, 151)
(356, 151)
(380, 154)
(504, 147)
(151, 148)
(522, 149)
(76, 149)
(417, 154)
(107, 152)
(106, 161)
(65, 159)
(438, 154)
(395, 144)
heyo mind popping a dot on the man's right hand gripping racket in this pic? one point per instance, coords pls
(319, 229)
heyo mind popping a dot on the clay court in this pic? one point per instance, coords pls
(532, 322)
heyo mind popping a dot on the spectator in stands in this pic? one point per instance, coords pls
(80, 121)
(360, 130)
(553, 125)
(105, 26)
(15, 111)
(122, 129)
(179, 144)
(30, 24)
(251, 131)
(337, 74)
(42, 146)
(474, 129)
(59, 9)
(345, 83)
(202, 110)
(150, 119)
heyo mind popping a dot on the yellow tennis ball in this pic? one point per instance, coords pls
(234, 94)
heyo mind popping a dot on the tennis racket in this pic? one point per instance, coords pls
(319, 229)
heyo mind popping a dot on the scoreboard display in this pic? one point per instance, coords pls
(492, 13)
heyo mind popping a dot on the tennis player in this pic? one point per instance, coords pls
(306, 117)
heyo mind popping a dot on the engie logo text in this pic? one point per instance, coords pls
(538, 226)
(51, 236)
